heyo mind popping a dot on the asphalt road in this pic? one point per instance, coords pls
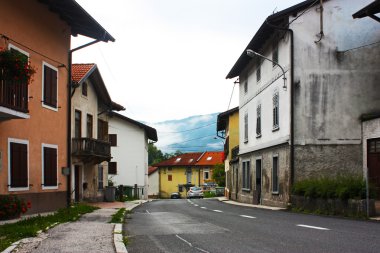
(207, 225)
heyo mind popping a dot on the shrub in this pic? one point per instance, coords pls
(342, 187)
(11, 206)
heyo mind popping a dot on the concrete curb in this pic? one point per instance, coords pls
(231, 202)
(118, 229)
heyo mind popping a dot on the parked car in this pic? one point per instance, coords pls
(195, 192)
(175, 195)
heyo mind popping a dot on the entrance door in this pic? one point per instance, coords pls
(373, 163)
(258, 180)
(76, 182)
(236, 169)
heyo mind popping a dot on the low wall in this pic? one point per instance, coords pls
(350, 207)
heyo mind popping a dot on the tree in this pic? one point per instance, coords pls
(154, 154)
(219, 175)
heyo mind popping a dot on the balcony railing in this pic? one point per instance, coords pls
(91, 149)
(234, 152)
(13, 94)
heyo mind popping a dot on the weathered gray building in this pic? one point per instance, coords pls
(309, 124)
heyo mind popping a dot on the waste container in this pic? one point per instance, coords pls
(109, 193)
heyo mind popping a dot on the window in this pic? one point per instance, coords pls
(102, 130)
(258, 121)
(50, 86)
(18, 164)
(206, 174)
(89, 126)
(275, 183)
(275, 55)
(374, 146)
(170, 177)
(84, 89)
(246, 127)
(258, 72)
(113, 140)
(100, 177)
(50, 166)
(246, 181)
(112, 168)
(246, 85)
(275, 111)
(78, 124)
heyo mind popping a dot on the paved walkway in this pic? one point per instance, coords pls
(91, 233)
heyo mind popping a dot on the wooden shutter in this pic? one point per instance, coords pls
(112, 168)
(113, 139)
(50, 166)
(50, 87)
(19, 164)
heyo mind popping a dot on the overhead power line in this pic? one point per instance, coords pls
(188, 130)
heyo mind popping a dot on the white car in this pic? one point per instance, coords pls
(195, 192)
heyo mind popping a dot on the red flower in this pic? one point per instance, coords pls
(23, 209)
(29, 204)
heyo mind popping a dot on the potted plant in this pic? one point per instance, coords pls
(15, 66)
(12, 207)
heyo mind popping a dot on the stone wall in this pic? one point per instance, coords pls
(327, 160)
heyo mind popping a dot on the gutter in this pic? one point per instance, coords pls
(290, 31)
(70, 93)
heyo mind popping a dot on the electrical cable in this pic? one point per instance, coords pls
(188, 130)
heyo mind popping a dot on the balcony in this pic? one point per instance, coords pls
(13, 99)
(235, 154)
(91, 150)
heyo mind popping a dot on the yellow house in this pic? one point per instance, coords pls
(179, 173)
(228, 129)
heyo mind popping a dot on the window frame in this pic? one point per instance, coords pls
(258, 121)
(245, 85)
(18, 141)
(44, 145)
(275, 55)
(75, 123)
(47, 106)
(246, 182)
(100, 167)
(109, 167)
(208, 174)
(277, 190)
(170, 178)
(84, 89)
(112, 140)
(258, 72)
(276, 111)
(89, 116)
(246, 125)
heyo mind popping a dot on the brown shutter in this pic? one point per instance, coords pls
(53, 88)
(50, 87)
(50, 166)
(112, 168)
(19, 164)
(113, 139)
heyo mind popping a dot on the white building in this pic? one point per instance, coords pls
(153, 187)
(129, 148)
(310, 124)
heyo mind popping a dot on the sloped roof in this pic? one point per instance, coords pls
(187, 159)
(150, 131)
(223, 118)
(78, 19)
(152, 169)
(264, 33)
(193, 159)
(82, 72)
(211, 158)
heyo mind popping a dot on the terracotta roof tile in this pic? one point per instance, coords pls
(181, 160)
(79, 71)
(152, 169)
(211, 158)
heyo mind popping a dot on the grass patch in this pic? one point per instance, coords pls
(10, 233)
(209, 194)
(125, 240)
(118, 217)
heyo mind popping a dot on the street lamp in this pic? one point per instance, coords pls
(252, 53)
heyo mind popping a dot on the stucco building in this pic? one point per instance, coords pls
(308, 124)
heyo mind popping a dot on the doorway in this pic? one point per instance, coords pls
(258, 181)
(373, 163)
(76, 183)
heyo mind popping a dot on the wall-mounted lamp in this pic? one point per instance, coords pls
(252, 53)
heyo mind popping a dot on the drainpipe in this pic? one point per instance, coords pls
(69, 86)
(290, 31)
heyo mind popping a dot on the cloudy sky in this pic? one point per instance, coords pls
(171, 57)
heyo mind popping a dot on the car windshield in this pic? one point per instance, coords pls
(195, 189)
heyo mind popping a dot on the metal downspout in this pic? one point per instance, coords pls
(292, 151)
(69, 95)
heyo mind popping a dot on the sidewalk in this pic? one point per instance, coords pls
(91, 233)
(225, 200)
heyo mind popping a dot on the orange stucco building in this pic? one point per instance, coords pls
(34, 132)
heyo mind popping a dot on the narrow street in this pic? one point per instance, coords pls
(207, 225)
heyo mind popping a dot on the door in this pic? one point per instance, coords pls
(258, 181)
(76, 183)
(236, 169)
(373, 163)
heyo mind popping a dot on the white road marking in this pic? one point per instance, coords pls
(247, 216)
(307, 226)
(147, 211)
(218, 211)
(196, 205)
(203, 207)
(191, 245)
